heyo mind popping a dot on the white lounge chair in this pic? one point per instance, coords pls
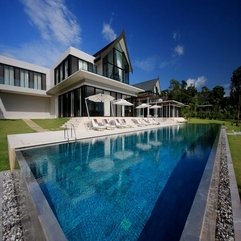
(97, 125)
(108, 124)
(125, 123)
(136, 122)
(119, 124)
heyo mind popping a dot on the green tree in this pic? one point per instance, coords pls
(235, 93)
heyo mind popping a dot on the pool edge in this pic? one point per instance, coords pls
(42, 218)
(201, 221)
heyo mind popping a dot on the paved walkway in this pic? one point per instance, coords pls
(34, 125)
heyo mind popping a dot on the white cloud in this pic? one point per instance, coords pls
(197, 83)
(147, 64)
(108, 32)
(176, 35)
(179, 50)
(58, 29)
(166, 63)
(40, 52)
(54, 21)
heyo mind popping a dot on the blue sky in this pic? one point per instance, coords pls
(196, 41)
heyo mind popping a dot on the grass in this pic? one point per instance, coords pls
(51, 124)
(228, 124)
(8, 127)
(234, 144)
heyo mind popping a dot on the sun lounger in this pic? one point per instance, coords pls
(108, 124)
(125, 123)
(97, 125)
(155, 122)
(119, 124)
(136, 122)
(141, 121)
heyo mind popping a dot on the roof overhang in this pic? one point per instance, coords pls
(84, 77)
(171, 102)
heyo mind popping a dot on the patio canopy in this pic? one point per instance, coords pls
(143, 106)
(122, 102)
(98, 98)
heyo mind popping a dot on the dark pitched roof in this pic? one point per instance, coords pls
(147, 85)
(101, 53)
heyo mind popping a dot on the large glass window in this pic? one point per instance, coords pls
(73, 103)
(83, 65)
(66, 68)
(8, 75)
(115, 65)
(24, 78)
(37, 81)
(69, 66)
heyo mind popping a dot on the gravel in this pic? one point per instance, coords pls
(224, 223)
(11, 219)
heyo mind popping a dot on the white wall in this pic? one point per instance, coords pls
(17, 106)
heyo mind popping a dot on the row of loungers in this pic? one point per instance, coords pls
(105, 124)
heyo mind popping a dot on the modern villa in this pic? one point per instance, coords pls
(31, 91)
(110, 178)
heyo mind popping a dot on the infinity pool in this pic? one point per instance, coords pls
(138, 186)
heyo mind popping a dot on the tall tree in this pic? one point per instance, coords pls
(235, 93)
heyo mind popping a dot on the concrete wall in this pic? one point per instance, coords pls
(15, 106)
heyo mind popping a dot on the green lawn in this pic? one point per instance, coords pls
(235, 144)
(51, 124)
(9, 127)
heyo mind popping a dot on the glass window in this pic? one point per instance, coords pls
(31, 80)
(24, 78)
(8, 75)
(83, 65)
(66, 68)
(60, 73)
(118, 59)
(110, 57)
(37, 81)
(1, 74)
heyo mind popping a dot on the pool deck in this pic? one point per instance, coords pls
(82, 132)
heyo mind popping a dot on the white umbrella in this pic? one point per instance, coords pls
(122, 102)
(98, 98)
(156, 107)
(142, 106)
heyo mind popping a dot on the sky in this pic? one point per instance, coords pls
(198, 41)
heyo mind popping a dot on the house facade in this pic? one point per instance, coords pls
(31, 91)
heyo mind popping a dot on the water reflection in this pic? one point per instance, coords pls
(123, 175)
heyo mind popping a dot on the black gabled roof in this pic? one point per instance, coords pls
(147, 85)
(101, 53)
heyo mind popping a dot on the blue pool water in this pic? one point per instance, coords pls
(128, 187)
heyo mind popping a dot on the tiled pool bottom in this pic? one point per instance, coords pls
(130, 187)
